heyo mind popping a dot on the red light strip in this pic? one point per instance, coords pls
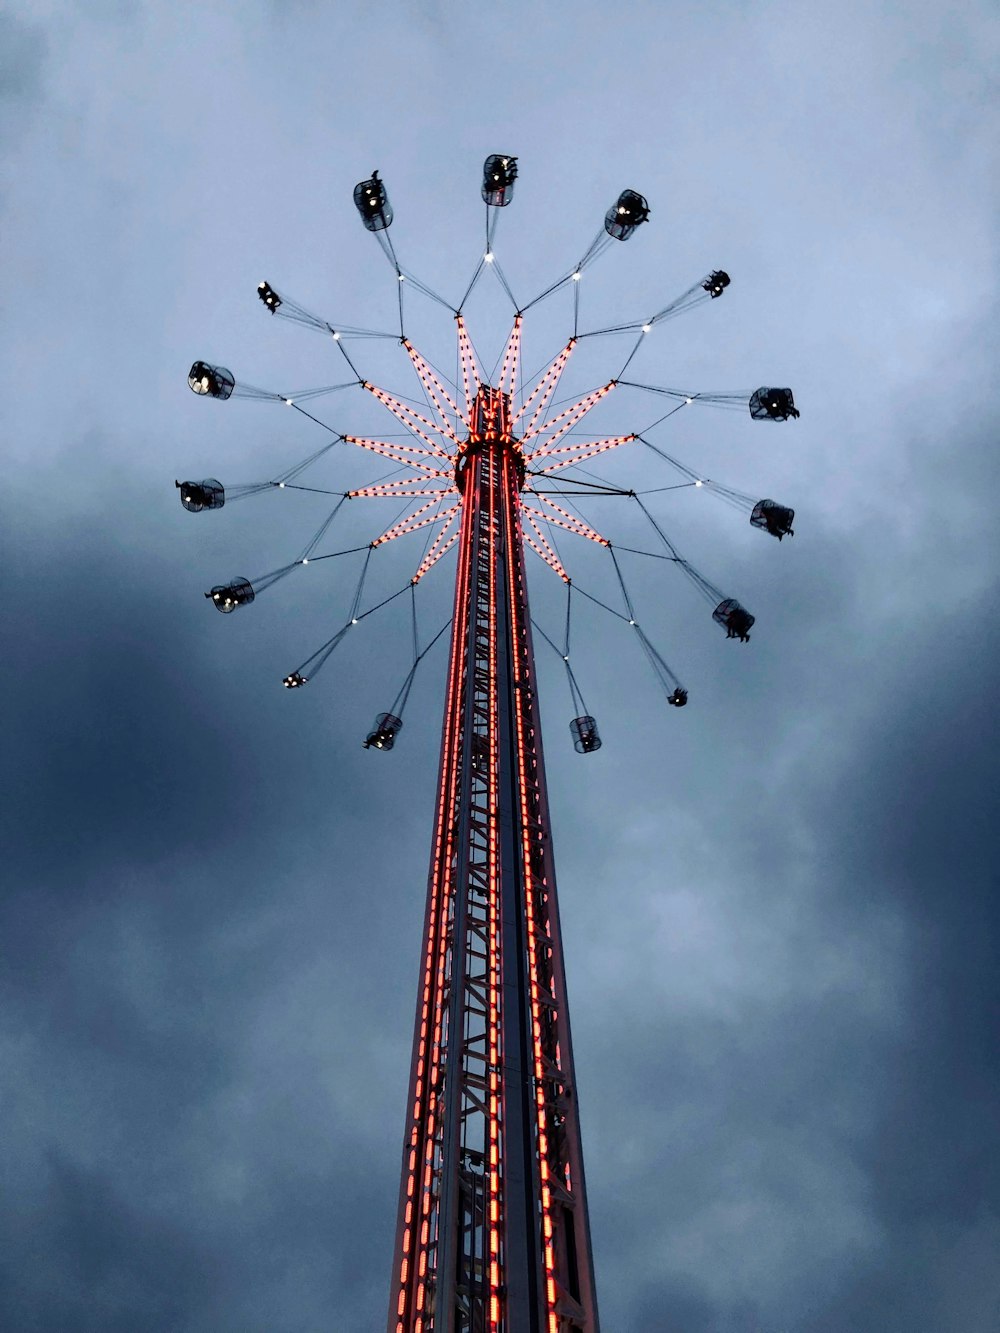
(470, 368)
(568, 419)
(410, 418)
(585, 451)
(542, 548)
(545, 387)
(427, 564)
(411, 524)
(393, 490)
(437, 548)
(398, 453)
(459, 646)
(568, 522)
(419, 1185)
(494, 1148)
(523, 730)
(435, 390)
(511, 359)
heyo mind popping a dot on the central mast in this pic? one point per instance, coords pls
(492, 1234)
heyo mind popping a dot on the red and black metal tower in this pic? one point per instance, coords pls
(492, 1234)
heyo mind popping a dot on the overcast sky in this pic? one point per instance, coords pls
(779, 904)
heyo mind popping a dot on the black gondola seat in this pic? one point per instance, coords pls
(372, 202)
(736, 620)
(773, 518)
(585, 735)
(772, 405)
(629, 211)
(269, 296)
(199, 495)
(294, 681)
(227, 597)
(679, 698)
(499, 175)
(716, 283)
(383, 735)
(211, 381)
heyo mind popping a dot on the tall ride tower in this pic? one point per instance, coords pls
(492, 1234)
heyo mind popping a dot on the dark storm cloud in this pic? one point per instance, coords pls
(779, 905)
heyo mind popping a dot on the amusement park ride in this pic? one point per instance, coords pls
(492, 1231)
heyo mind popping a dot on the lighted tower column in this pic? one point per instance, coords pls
(492, 1234)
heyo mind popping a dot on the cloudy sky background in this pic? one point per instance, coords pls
(780, 904)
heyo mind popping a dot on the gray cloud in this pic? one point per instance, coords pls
(779, 905)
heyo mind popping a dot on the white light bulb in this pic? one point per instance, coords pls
(288, 402)
(281, 485)
(336, 337)
(646, 328)
(699, 483)
(576, 277)
(354, 622)
(689, 401)
(488, 257)
(305, 561)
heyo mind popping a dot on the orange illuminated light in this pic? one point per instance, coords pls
(412, 419)
(567, 419)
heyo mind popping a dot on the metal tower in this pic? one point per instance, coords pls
(492, 1233)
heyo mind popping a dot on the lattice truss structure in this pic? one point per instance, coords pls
(492, 1231)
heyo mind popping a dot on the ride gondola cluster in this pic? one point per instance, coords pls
(623, 218)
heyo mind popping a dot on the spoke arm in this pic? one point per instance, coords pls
(541, 394)
(414, 421)
(444, 541)
(399, 454)
(567, 419)
(539, 543)
(564, 519)
(471, 374)
(420, 518)
(511, 360)
(438, 394)
(580, 452)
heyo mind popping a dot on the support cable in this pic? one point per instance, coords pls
(597, 602)
(505, 284)
(296, 469)
(596, 248)
(708, 590)
(361, 583)
(298, 314)
(322, 654)
(265, 581)
(399, 703)
(322, 529)
(574, 688)
(628, 601)
(475, 278)
(665, 675)
(663, 672)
